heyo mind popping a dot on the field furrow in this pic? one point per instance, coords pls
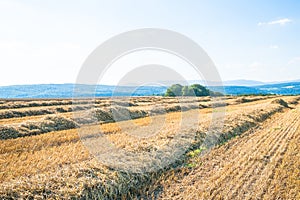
(285, 182)
(262, 171)
(245, 167)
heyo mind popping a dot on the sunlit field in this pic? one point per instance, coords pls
(255, 154)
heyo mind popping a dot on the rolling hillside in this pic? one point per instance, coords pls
(66, 90)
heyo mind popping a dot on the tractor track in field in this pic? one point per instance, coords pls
(255, 170)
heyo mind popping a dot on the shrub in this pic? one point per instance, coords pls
(174, 90)
(192, 90)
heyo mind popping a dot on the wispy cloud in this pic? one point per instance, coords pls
(274, 47)
(280, 22)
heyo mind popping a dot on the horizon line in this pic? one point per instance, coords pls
(170, 82)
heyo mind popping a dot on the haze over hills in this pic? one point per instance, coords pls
(244, 82)
(237, 82)
(66, 90)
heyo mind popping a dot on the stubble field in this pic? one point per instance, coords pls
(170, 148)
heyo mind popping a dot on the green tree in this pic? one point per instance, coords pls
(192, 90)
(174, 90)
(200, 90)
(187, 91)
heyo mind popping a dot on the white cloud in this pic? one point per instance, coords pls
(261, 23)
(274, 46)
(280, 22)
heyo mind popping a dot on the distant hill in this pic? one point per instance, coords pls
(281, 88)
(291, 88)
(66, 90)
(243, 82)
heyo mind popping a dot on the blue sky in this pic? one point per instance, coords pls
(47, 41)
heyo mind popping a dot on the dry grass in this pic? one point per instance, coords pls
(45, 125)
(57, 165)
(260, 165)
(251, 99)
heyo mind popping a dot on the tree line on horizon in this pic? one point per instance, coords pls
(190, 90)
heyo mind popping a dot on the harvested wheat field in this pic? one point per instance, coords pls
(151, 148)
